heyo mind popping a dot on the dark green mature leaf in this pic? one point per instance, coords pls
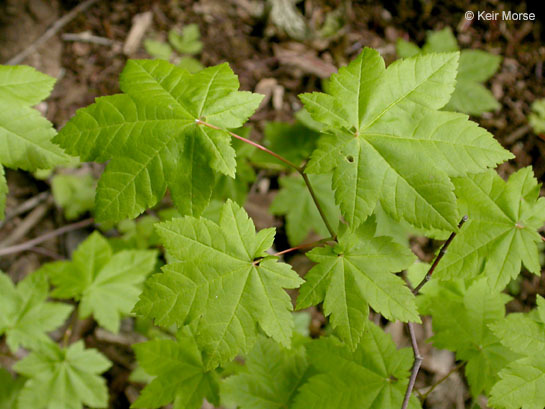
(356, 274)
(25, 315)
(302, 216)
(522, 383)
(461, 324)
(501, 233)
(223, 281)
(65, 378)
(374, 376)
(180, 376)
(107, 285)
(150, 136)
(271, 377)
(383, 121)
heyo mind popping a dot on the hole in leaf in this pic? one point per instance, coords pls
(350, 158)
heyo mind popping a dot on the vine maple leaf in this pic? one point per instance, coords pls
(501, 233)
(25, 315)
(152, 140)
(222, 280)
(357, 273)
(385, 139)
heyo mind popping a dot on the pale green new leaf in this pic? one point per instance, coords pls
(152, 140)
(271, 377)
(74, 193)
(374, 376)
(188, 42)
(356, 274)
(537, 117)
(158, 49)
(179, 372)
(65, 378)
(383, 121)
(467, 332)
(106, 285)
(302, 216)
(522, 383)
(501, 233)
(223, 281)
(25, 315)
(476, 67)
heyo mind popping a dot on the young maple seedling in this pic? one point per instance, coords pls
(388, 161)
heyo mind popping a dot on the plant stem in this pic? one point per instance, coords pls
(299, 169)
(52, 234)
(303, 246)
(417, 357)
(416, 367)
(438, 258)
(254, 144)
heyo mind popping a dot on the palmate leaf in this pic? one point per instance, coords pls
(356, 274)
(501, 233)
(25, 135)
(107, 285)
(381, 123)
(374, 376)
(223, 282)
(476, 66)
(467, 331)
(522, 383)
(65, 378)
(151, 138)
(271, 377)
(302, 216)
(25, 315)
(180, 376)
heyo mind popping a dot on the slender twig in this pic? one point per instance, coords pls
(417, 357)
(52, 234)
(303, 246)
(320, 210)
(416, 366)
(299, 169)
(87, 37)
(443, 379)
(438, 258)
(50, 32)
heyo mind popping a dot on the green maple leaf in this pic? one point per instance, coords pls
(374, 376)
(152, 140)
(25, 135)
(25, 315)
(522, 383)
(63, 378)
(356, 274)
(9, 389)
(476, 67)
(221, 280)
(179, 372)
(302, 216)
(381, 122)
(467, 331)
(270, 378)
(501, 233)
(107, 285)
